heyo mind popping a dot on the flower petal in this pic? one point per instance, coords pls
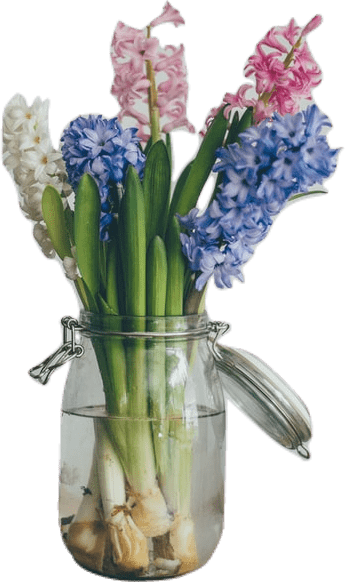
(169, 14)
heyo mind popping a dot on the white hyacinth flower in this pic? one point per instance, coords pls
(34, 138)
(19, 114)
(42, 160)
(42, 237)
(24, 176)
(71, 268)
(32, 161)
(32, 202)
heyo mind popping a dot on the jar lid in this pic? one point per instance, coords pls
(265, 397)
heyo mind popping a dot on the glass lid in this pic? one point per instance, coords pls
(265, 397)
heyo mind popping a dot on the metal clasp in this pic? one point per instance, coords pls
(69, 350)
(216, 330)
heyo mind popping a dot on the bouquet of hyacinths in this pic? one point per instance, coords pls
(136, 246)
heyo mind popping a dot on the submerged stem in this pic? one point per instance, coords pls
(86, 538)
(147, 504)
(110, 473)
(128, 544)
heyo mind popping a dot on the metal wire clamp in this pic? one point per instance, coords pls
(70, 349)
(216, 330)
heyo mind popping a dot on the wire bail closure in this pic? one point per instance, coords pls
(69, 350)
(216, 330)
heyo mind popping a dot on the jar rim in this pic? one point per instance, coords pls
(124, 325)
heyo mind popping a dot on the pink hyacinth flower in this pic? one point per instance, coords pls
(131, 44)
(291, 32)
(269, 71)
(131, 49)
(314, 23)
(284, 72)
(239, 99)
(169, 14)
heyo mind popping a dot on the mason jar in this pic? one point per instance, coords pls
(142, 447)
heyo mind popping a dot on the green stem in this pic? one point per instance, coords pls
(112, 275)
(152, 99)
(140, 467)
(156, 297)
(194, 300)
(177, 483)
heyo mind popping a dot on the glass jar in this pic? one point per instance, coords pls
(142, 447)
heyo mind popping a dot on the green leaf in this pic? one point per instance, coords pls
(104, 306)
(186, 198)
(86, 232)
(148, 146)
(80, 287)
(132, 236)
(156, 187)
(69, 218)
(304, 194)
(231, 138)
(176, 269)
(233, 130)
(246, 121)
(53, 216)
(156, 276)
(180, 184)
(90, 299)
(112, 274)
(169, 147)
